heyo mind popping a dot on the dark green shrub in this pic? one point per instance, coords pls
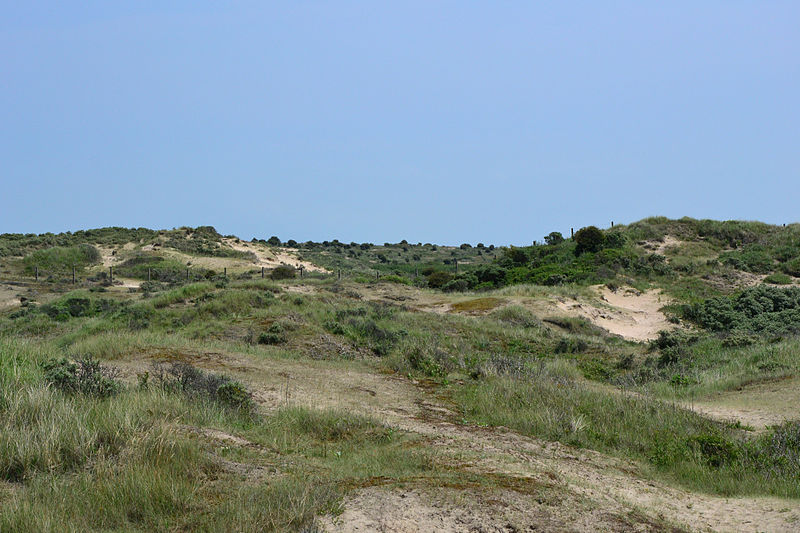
(792, 267)
(554, 238)
(456, 285)
(738, 339)
(571, 345)
(715, 450)
(283, 272)
(423, 362)
(60, 259)
(437, 279)
(193, 382)
(84, 376)
(514, 256)
(778, 279)
(589, 239)
(274, 241)
(271, 338)
(234, 394)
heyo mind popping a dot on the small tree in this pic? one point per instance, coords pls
(274, 241)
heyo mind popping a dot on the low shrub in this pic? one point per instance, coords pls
(186, 379)
(83, 376)
(283, 272)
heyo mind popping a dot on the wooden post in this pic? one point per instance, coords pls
(340, 274)
(377, 275)
(301, 272)
(225, 271)
(36, 269)
(571, 232)
(262, 272)
(111, 274)
(612, 223)
(187, 274)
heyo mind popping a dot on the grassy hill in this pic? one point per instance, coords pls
(214, 397)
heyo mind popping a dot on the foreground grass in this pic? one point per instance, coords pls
(139, 461)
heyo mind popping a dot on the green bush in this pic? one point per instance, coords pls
(437, 279)
(234, 394)
(84, 376)
(193, 382)
(778, 279)
(554, 238)
(283, 272)
(589, 239)
(60, 260)
(761, 309)
(271, 338)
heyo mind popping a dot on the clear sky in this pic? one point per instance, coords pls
(430, 121)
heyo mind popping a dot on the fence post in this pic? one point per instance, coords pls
(571, 232)
(301, 272)
(111, 274)
(340, 274)
(36, 269)
(377, 275)
(262, 272)
(187, 274)
(612, 223)
(225, 271)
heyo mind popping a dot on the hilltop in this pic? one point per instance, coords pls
(636, 378)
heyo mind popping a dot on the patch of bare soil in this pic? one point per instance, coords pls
(589, 491)
(759, 405)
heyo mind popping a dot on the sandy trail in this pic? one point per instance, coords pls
(595, 489)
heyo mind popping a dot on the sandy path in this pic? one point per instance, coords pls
(596, 490)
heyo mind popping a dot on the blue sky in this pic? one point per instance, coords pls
(430, 121)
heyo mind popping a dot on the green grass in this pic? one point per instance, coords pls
(129, 462)
(59, 260)
(679, 445)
